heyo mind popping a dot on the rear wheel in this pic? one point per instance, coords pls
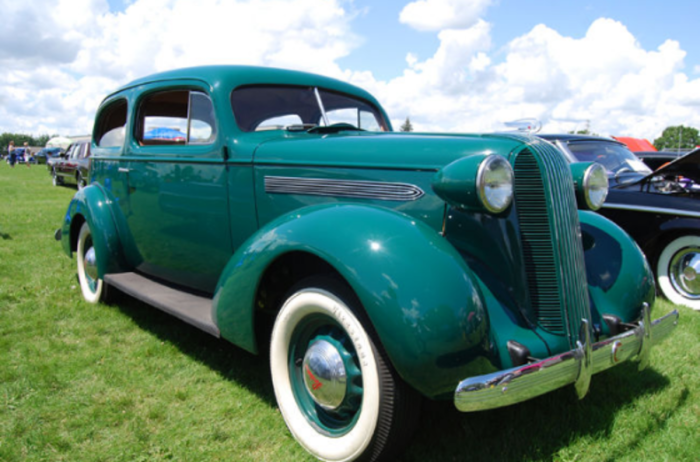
(334, 386)
(93, 288)
(678, 271)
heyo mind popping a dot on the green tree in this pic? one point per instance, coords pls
(678, 137)
(583, 132)
(407, 126)
(21, 138)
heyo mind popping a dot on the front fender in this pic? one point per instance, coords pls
(92, 205)
(619, 277)
(416, 289)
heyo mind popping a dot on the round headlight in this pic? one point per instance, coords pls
(494, 182)
(595, 186)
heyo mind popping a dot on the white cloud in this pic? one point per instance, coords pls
(71, 56)
(605, 78)
(435, 15)
(54, 77)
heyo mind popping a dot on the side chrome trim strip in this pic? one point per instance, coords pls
(343, 188)
(641, 208)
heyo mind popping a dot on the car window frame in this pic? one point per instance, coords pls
(136, 135)
(382, 120)
(106, 106)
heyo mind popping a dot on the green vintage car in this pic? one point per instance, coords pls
(278, 209)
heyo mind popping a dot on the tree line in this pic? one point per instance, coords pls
(21, 138)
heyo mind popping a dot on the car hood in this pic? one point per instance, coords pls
(687, 166)
(406, 151)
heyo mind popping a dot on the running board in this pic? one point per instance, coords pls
(192, 309)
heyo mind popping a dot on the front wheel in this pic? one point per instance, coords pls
(93, 288)
(336, 390)
(80, 181)
(678, 271)
(57, 180)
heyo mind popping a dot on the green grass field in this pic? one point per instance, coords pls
(125, 382)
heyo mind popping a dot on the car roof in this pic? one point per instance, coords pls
(234, 76)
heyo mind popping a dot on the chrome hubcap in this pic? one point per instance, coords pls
(90, 263)
(324, 375)
(684, 271)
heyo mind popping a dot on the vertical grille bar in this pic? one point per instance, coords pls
(551, 239)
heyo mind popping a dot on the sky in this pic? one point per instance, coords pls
(621, 68)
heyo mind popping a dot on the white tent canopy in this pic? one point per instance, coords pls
(59, 142)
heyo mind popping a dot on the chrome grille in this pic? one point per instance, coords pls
(538, 248)
(551, 237)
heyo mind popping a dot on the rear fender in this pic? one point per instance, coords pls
(91, 204)
(417, 290)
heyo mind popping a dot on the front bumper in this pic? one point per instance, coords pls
(521, 383)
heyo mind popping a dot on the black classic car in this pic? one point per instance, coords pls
(657, 159)
(73, 166)
(659, 209)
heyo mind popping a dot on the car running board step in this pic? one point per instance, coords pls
(192, 309)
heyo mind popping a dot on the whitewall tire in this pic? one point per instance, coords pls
(335, 390)
(92, 287)
(678, 271)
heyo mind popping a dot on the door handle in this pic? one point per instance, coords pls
(124, 170)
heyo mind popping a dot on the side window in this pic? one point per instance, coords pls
(110, 125)
(85, 152)
(176, 117)
(202, 120)
(342, 108)
(72, 149)
(79, 151)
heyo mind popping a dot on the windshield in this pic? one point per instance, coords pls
(276, 107)
(615, 158)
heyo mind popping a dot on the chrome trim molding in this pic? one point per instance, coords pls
(521, 383)
(343, 188)
(641, 208)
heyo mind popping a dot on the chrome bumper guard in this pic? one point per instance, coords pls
(521, 383)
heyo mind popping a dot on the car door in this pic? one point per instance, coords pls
(63, 167)
(71, 168)
(176, 207)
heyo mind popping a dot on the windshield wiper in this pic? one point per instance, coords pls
(335, 128)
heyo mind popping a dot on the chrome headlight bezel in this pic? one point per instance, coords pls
(495, 183)
(595, 186)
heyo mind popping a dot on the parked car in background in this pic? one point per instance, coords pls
(43, 155)
(22, 155)
(72, 167)
(656, 159)
(377, 266)
(18, 154)
(659, 209)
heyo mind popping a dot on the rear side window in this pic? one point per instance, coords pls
(176, 117)
(111, 124)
